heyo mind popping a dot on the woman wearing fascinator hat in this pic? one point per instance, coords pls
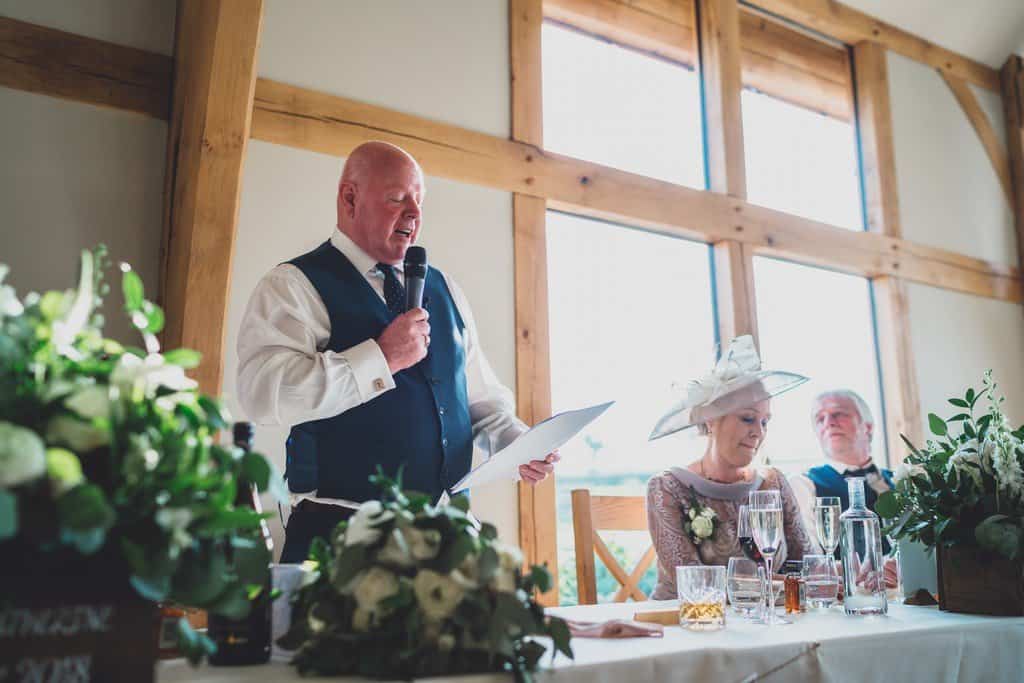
(692, 509)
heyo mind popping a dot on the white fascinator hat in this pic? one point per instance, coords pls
(737, 381)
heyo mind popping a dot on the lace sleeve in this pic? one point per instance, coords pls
(798, 541)
(671, 544)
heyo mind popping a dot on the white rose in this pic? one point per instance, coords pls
(509, 555)
(905, 471)
(504, 580)
(437, 595)
(137, 377)
(373, 586)
(22, 455)
(966, 462)
(9, 304)
(82, 437)
(90, 402)
(362, 619)
(446, 642)
(362, 526)
(176, 521)
(395, 550)
(424, 544)
(707, 512)
(64, 470)
(702, 527)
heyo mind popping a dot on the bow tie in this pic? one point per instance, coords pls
(862, 472)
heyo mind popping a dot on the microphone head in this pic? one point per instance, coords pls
(415, 262)
(416, 256)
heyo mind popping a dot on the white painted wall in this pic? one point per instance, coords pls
(445, 60)
(955, 338)
(949, 193)
(75, 175)
(950, 197)
(144, 24)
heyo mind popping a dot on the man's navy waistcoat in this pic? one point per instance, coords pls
(422, 425)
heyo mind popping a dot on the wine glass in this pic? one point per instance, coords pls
(744, 585)
(822, 580)
(746, 537)
(766, 525)
(826, 522)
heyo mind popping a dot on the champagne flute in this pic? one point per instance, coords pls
(826, 522)
(746, 537)
(766, 525)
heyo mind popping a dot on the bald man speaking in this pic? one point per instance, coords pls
(326, 347)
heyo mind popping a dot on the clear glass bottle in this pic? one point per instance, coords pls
(863, 561)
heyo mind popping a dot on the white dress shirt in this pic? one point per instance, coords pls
(286, 376)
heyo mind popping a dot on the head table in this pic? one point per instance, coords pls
(910, 644)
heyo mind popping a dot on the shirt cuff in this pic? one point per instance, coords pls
(370, 369)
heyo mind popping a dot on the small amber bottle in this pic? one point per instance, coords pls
(794, 593)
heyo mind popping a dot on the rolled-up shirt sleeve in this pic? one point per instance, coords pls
(492, 406)
(284, 374)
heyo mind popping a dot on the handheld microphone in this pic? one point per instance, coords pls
(415, 274)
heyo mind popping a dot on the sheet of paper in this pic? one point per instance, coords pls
(545, 437)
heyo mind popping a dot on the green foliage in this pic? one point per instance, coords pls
(142, 482)
(967, 487)
(408, 589)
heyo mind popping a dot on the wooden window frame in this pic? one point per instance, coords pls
(51, 62)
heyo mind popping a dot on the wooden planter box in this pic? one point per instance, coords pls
(84, 627)
(975, 582)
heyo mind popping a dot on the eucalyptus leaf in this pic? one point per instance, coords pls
(8, 515)
(203, 576)
(256, 470)
(959, 403)
(194, 645)
(154, 588)
(937, 425)
(887, 505)
(134, 292)
(85, 507)
(225, 521)
(233, 603)
(185, 358)
(251, 559)
(560, 637)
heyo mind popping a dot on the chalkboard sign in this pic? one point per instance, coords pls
(75, 631)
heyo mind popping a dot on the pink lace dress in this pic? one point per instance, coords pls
(668, 499)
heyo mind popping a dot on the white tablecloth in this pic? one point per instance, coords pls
(910, 644)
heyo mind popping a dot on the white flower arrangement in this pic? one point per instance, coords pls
(963, 489)
(408, 589)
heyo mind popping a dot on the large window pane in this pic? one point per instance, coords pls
(801, 162)
(818, 323)
(630, 313)
(617, 107)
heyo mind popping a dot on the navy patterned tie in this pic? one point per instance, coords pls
(394, 292)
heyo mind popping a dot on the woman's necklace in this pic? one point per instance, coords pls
(703, 474)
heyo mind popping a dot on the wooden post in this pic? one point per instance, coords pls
(214, 81)
(878, 169)
(718, 23)
(538, 519)
(1012, 78)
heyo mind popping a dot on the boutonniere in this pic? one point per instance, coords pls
(699, 521)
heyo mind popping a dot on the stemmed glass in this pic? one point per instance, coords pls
(766, 525)
(826, 522)
(746, 537)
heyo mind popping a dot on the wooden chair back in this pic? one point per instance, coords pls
(591, 514)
